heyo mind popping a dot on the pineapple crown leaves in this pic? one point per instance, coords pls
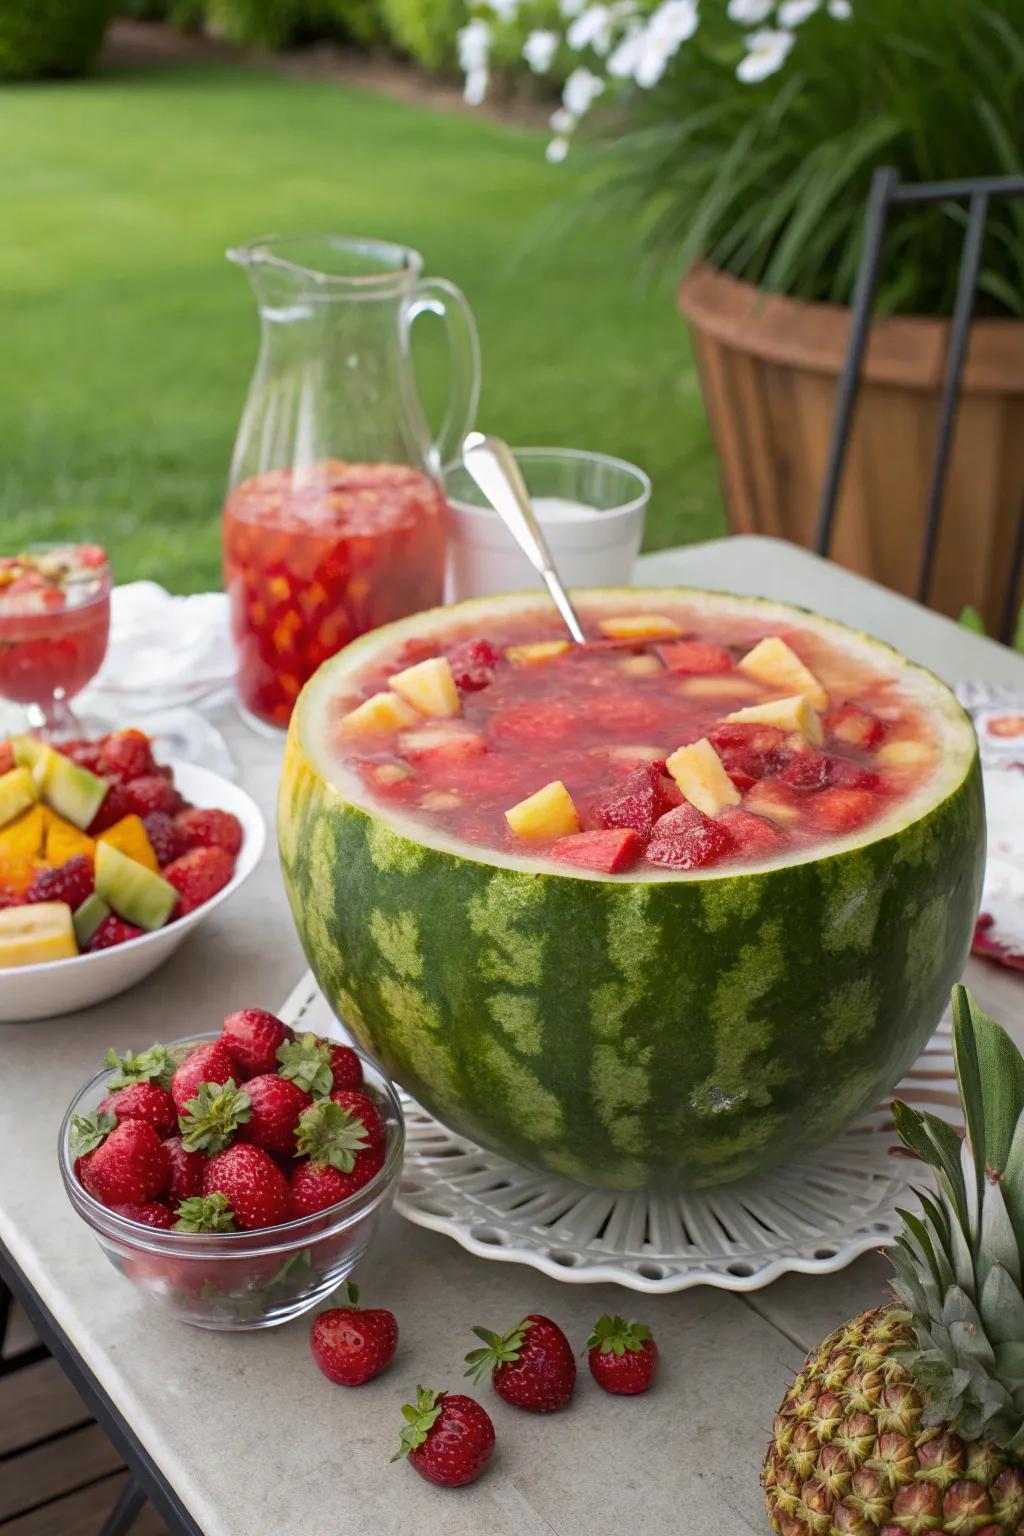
(209, 1121)
(89, 1131)
(959, 1262)
(498, 1349)
(420, 1418)
(329, 1135)
(152, 1066)
(307, 1062)
(205, 1213)
(614, 1336)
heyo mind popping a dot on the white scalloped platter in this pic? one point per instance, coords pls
(813, 1217)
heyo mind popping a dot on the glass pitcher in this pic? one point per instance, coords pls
(334, 518)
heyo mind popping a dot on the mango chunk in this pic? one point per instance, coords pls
(795, 714)
(34, 934)
(380, 712)
(17, 871)
(721, 686)
(640, 666)
(17, 793)
(640, 626)
(65, 841)
(26, 833)
(773, 662)
(538, 650)
(129, 836)
(701, 777)
(904, 753)
(429, 687)
(546, 814)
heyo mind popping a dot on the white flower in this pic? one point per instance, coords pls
(591, 29)
(749, 13)
(475, 88)
(650, 52)
(581, 90)
(539, 50)
(504, 10)
(570, 8)
(842, 10)
(562, 122)
(557, 150)
(474, 43)
(793, 12)
(624, 58)
(766, 53)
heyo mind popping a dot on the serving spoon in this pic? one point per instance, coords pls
(490, 463)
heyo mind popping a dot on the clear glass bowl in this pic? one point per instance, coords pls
(235, 1281)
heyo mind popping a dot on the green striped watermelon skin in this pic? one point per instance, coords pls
(631, 1034)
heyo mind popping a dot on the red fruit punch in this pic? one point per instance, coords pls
(695, 657)
(607, 852)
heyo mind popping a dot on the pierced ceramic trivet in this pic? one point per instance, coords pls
(814, 1216)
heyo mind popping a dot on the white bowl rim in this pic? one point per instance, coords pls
(253, 844)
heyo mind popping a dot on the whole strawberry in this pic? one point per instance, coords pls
(339, 1160)
(72, 882)
(113, 807)
(198, 875)
(186, 1171)
(316, 1186)
(346, 1068)
(362, 1108)
(126, 755)
(623, 1357)
(251, 1183)
(143, 1101)
(276, 1105)
(532, 1366)
(211, 1121)
(251, 1037)
(129, 1166)
(208, 1063)
(210, 829)
(151, 792)
(151, 1213)
(352, 1345)
(447, 1437)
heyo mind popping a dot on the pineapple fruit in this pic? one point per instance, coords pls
(793, 714)
(536, 651)
(698, 771)
(640, 626)
(909, 1420)
(773, 662)
(546, 814)
(429, 686)
(380, 712)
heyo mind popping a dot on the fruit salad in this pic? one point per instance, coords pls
(313, 559)
(54, 621)
(98, 847)
(218, 1142)
(661, 744)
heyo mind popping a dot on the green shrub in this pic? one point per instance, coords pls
(144, 10)
(284, 23)
(50, 37)
(425, 29)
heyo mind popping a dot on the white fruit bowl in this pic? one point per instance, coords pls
(59, 986)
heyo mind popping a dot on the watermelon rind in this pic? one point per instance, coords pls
(653, 1029)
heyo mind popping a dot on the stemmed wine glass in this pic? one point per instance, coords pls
(54, 626)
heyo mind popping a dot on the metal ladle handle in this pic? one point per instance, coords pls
(490, 463)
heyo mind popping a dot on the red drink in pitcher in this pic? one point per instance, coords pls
(312, 560)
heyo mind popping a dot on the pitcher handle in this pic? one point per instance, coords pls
(437, 296)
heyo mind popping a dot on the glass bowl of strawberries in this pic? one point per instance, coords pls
(237, 1178)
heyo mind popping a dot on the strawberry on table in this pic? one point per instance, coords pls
(352, 1345)
(275, 1107)
(198, 875)
(532, 1366)
(447, 1437)
(210, 829)
(623, 1357)
(151, 1213)
(130, 1164)
(252, 1038)
(207, 1063)
(251, 1183)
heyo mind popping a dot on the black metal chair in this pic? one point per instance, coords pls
(887, 193)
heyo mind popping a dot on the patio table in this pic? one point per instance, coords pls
(240, 1435)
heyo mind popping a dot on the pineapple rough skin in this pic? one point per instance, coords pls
(852, 1456)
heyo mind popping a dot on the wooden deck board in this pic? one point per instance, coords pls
(36, 1403)
(82, 1513)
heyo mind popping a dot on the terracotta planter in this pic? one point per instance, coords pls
(769, 367)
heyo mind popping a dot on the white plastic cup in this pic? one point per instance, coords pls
(594, 541)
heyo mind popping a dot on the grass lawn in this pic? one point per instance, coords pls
(126, 340)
